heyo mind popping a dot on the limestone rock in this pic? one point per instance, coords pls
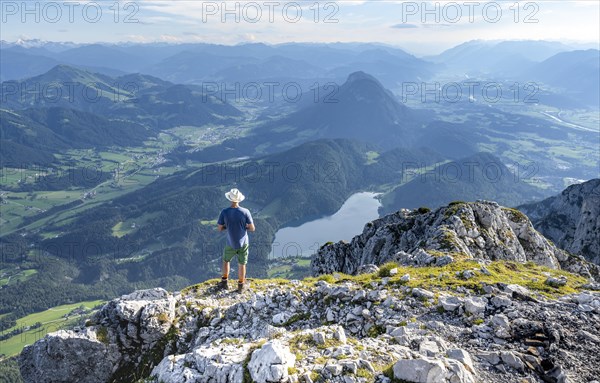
(270, 363)
(421, 370)
(462, 356)
(475, 305)
(67, 356)
(450, 303)
(571, 219)
(479, 230)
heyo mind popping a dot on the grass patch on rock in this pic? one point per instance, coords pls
(448, 277)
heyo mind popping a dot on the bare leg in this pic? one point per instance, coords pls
(242, 273)
(225, 270)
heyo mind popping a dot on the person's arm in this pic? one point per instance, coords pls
(249, 223)
(221, 223)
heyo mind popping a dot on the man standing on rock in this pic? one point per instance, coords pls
(237, 221)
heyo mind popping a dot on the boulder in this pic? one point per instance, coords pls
(512, 360)
(556, 282)
(462, 356)
(270, 363)
(475, 305)
(422, 293)
(367, 269)
(204, 365)
(450, 303)
(421, 370)
(69, 357)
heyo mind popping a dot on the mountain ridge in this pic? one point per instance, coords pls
(479, 176)
(480, 230)
(570, 219)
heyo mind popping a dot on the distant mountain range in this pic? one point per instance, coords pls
(150, 100)
(360, 109)
(576, 73)
(199, 63)
(68, 107)
(497, 57)
(196, 63)
(316, 64)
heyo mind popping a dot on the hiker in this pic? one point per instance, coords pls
(237, 221)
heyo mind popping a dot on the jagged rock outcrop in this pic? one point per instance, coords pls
(475, 230)
(571, 220)
(125, 330)
(343, 331)
(68, 353)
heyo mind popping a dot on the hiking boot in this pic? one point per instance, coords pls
(223, 285)
(242, 286)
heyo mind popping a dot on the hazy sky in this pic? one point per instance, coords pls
(420, 27)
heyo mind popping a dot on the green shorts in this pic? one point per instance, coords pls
(230, 252)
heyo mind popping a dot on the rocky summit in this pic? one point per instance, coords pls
(480, 230)
(338, 328)
(467, 293)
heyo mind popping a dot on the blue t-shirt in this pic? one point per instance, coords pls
(235, 220)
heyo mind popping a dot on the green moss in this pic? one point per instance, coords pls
(515, 215)
(478, 321)
(375, 331)
(320, 360)
(448, 240)
(301, 342)
(423, 210)
(234, 341)
(466, 222)
(384, 270)
(453, 208)
(163, 317)
(296, 317)
(357, 345)
(299, 355)
(327, 278)
(500, 272)
(364, 373)
(102, 335)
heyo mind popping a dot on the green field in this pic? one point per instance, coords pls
(18, 276)
(52, 320)
(136, 167)
(372, 157)
(119, 230)
(282, 268)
